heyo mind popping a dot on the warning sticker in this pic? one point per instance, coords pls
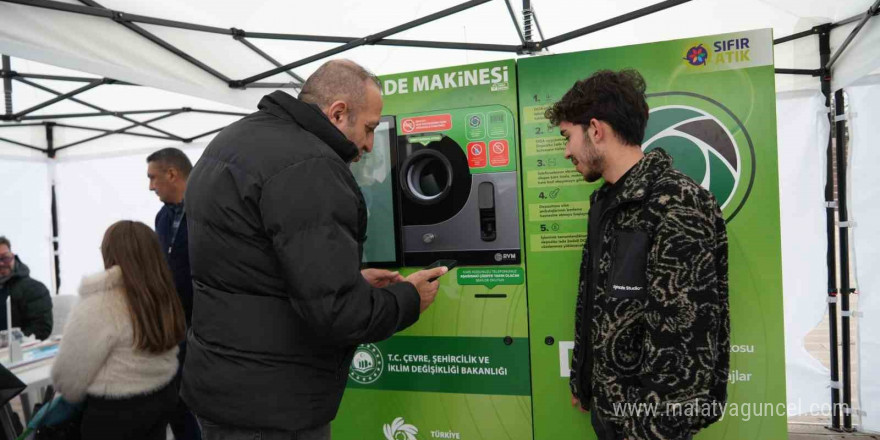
(476, 154)
(499, 153)
(423, 124)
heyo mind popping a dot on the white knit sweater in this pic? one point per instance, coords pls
(97, 355)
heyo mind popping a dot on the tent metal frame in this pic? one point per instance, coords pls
(527, 46)
(133, 21)
(837, 140)
(22, 117)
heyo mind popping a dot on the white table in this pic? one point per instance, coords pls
(35, 374)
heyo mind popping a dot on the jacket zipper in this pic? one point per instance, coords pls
(176, 231)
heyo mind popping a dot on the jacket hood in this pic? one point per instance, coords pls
(312, 119)
(21, 270)
(101, 282)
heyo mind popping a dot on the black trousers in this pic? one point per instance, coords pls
(183, 422)
(142, 417)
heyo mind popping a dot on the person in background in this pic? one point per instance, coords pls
(277, 226)
(168, 170)
(652, 325)
(119, 352)
(31, 302)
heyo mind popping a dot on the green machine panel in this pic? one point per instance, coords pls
(462, 371)
(466, 167)
(712, 104)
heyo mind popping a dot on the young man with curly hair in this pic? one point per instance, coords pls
(652, 329)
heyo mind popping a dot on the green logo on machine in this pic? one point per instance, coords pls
(705, 149)
(400, 430)
(367, 364)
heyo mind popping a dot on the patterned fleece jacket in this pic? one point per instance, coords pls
(652, 344)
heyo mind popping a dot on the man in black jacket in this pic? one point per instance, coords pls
(277, 225)
(168, 170)
(652, 330)
(31, 302)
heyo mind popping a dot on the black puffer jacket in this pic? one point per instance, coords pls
(276, 230)
(31, 302)
(658, 325)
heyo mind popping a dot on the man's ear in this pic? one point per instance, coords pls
(337, 112)
(173, 174)
(596, 131)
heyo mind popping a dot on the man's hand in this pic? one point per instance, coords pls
(577, 403)
(427, 289)
(380, 277)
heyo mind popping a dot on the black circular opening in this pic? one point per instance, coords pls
(428, 177)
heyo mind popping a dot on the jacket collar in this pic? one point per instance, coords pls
(312, 119)
(101, 282)
(21, 270)
(642, 175)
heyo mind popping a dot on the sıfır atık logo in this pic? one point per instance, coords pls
(703, 148)
(697, 55)
(367, 364)
(400, 430)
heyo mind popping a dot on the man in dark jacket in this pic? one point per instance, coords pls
(168, 170)
(31, 302)
(277, 225)
(652, 329)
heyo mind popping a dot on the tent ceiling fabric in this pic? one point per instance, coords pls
(103, 47)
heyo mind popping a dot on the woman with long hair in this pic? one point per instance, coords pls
(119, 347)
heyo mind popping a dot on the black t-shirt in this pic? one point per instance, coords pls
(607, 194)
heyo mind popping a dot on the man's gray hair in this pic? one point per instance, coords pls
(337, 80)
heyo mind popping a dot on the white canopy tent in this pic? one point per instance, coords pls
(100, 182)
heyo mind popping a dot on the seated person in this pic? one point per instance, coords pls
(31, 302)
(119, 351)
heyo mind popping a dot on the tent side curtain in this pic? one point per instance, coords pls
(865, 212)
(25, 218)
(93, 193)
(802, 132)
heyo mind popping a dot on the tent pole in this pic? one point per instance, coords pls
(94, 114)
(7, 84)
(830, 212)
(96, 11)
(537, 25)
(811, 72)
(133, 121)
(122, 131)
(3, 139)
(239, 35)
(50, 152)
(870, 13)
(59, 98)
(104, 130)
(122, 19)
(612, 22)
(70, 78)
(843, 230)
(519, 31)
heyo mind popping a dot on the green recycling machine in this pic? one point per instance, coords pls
(466, 167)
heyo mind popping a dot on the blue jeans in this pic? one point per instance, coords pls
(214, 431)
